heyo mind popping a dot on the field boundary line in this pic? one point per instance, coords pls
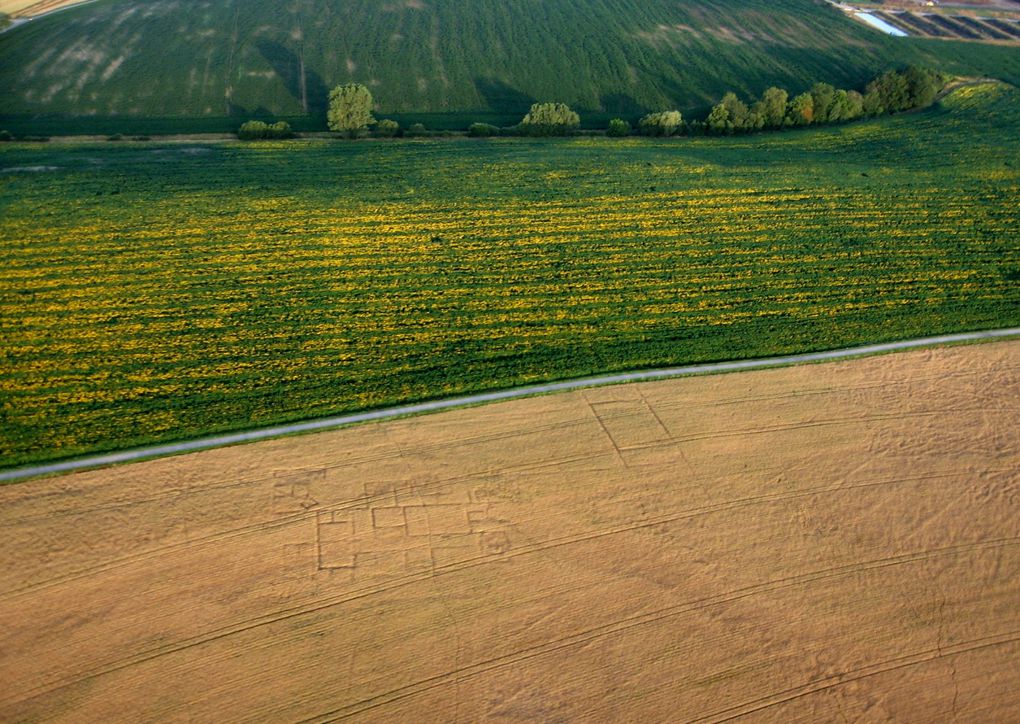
(389, 413)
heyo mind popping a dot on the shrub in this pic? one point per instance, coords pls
(387, 128)
(252, 130)
(665, 123)
(280, 129)
(618, 128)
(116, 137)
(549, 119)
(141, 138)
(483, 130)
(6, 136)
(417, 130)
(260, 130)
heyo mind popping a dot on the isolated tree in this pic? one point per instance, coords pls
(350, 109)
(549, 119)
(772, 107)
(663, 123)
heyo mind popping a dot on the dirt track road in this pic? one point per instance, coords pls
(797, 544)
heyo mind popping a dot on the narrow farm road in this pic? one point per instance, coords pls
(481, 398)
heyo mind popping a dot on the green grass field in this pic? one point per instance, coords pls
(109, 65)
(155, 292)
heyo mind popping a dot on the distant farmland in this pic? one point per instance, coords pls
(443, 62)
(156, 292)
(956, 27)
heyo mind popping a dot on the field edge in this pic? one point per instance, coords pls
(58, 466)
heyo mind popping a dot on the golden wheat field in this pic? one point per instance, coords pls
(816, 543)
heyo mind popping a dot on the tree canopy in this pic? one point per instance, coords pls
(664, 123)
(890, 92)
(549, 119)
(350, 108)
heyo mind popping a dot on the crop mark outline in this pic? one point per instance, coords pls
(419, 528)
(639, 415)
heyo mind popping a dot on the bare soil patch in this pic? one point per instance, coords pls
(797, 545)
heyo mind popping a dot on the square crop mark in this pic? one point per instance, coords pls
(335, 542)
(336, 554)
(630, 424)
(447, 519)
(388, 518)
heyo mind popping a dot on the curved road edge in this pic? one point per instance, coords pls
(329, 423)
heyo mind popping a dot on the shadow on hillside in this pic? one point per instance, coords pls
(260, 113)
(503, 98)
(287, 65)
(622, 105)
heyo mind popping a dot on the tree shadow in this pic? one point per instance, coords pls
(622, 105)
(503, 98)
(313, 95)
(260, 114)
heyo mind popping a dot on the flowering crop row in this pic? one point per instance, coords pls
(150, 293)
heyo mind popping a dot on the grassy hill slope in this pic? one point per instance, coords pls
(166, 58)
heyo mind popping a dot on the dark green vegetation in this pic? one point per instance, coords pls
(167, 291)
(892, 92)
(261, 131)
(444, 63)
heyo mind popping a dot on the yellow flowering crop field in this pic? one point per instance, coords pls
(154, 292)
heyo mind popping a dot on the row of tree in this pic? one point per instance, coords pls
(891, 92)
(350, 111)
